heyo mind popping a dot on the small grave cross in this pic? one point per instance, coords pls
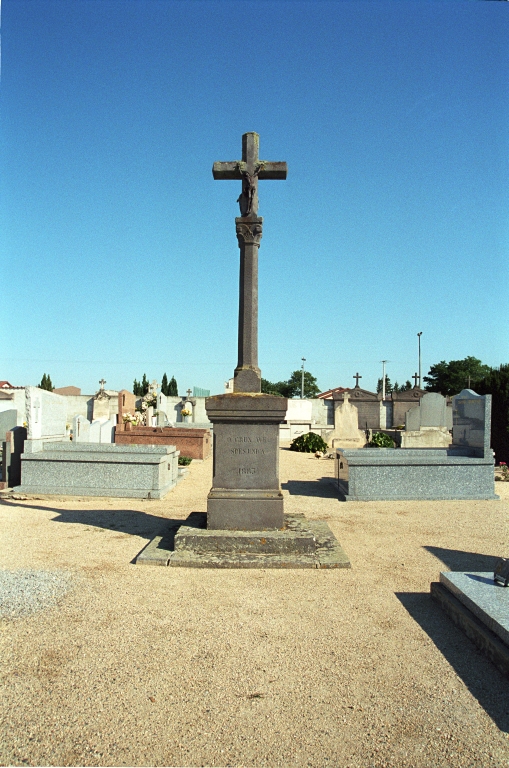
(415, 377)
(249, 170)
(154, 386)
(189, 393)
(102, 383)
(357, 377)
(36, 411)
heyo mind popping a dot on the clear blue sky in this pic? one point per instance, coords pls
(119, 248)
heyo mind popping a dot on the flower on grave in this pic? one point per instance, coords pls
(185, 412)
(128, 418)
(502, 464)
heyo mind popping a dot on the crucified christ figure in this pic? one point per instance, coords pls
(247, 197)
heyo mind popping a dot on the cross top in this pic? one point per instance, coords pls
(357, 377)
(154, 386)
(102, 383)
(249, 170)
(189, 393)
(415, 377)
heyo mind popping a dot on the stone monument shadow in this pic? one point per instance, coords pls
(132, 522)
(321, 488)
(481, 677)
(457, 560)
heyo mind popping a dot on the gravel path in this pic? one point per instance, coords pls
(108, 663)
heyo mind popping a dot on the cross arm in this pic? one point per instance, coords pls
(268, 170)
(229, 170)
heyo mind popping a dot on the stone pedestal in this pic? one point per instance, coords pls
(245, 493)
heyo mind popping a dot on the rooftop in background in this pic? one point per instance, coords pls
(67, 391)
(329, 394)
(6, 385)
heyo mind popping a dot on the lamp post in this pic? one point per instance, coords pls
(302, 380)
(383, 379)
(419, 337)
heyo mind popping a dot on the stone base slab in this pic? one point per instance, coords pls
(475, 629)
(302, 544)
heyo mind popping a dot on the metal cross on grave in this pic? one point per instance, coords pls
(415, 377)
(357, 377)
(247, 375)
(249, 170)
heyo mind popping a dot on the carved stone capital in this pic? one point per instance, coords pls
(249, 231)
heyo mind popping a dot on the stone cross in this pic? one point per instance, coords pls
(357, 377)
(153, 387)
(102, 383)
(36, 411)
(415, 377)
(247, 376)
(189, 393)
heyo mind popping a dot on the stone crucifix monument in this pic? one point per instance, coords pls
(246, 494)
(245, 523)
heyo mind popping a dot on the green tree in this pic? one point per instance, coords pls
(46, 383)
(164, 385)
(295, 385)
(388, 385)
(496, 384)
(450, 378)
(136, 388)
(144, 385)
(173, 390)
(279, 388)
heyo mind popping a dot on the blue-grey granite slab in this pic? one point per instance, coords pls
(487, 600)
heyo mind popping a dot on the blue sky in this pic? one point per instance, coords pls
(119, 248)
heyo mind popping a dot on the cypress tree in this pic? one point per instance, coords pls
(46, 383)
(172, 388)
(164, 384)
(144, 385)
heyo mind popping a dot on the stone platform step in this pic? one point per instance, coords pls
(302, 543)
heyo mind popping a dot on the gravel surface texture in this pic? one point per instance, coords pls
(109, 663)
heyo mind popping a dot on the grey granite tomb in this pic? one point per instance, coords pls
(462, 471)
(245, 523)
(480, 607)
(90, 469)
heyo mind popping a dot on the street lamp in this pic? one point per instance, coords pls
(302, 379)
(419, 337)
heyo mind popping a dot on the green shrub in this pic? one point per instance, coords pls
(308, 443)
(381, 440)
(184, 461)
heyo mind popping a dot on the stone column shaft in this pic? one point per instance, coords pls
(247, 375)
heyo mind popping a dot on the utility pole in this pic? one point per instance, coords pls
(383, 379)
(302, 380)
(419, 337)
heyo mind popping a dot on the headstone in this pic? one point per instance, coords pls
(81, 430)
(12, 449)
(101, 403)
(126, 404)
(46, 414)
(95, 431)
(430, 412)
(472, 421)
(149, 414)
(346, 419)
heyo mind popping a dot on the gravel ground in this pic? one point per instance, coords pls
(108, 663)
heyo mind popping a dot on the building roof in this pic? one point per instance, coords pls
(329, 394)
